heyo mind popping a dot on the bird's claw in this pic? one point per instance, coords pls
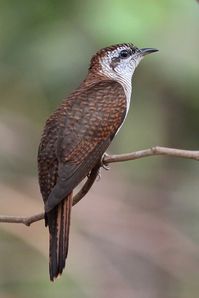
(104, 165)
(98, 175)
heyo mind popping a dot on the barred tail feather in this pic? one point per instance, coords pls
(58, 221)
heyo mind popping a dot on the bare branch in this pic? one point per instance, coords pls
(34, 218)
(20, 219)
(154, 151)
(86, 187)
(189, 154)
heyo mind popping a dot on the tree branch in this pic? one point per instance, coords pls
(86, 187)
(188, 154)
(28, 220)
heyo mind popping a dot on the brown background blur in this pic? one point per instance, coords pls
(137, 232)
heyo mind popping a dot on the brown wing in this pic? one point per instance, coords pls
(76, 136)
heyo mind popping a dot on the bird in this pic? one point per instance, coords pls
(77, 135)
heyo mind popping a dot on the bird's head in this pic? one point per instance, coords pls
(118, 62)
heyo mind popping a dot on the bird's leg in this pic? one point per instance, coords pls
(104, 165)
(99, 175)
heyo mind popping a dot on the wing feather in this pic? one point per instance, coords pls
(76, 136)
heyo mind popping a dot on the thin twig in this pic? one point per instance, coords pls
(20, 219)
(189, 154)
(86, 187)
(28, 220)
(154, 151)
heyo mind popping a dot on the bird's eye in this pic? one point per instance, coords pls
(125, 54)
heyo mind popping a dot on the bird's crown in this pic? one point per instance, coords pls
(119, 51)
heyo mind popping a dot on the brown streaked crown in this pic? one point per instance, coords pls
(102, 52)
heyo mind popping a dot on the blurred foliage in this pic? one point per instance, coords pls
(44, 54)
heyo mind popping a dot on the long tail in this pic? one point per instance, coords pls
(58, 221)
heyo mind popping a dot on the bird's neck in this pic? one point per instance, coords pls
(127, 86)
(96, 77)
(93, 78)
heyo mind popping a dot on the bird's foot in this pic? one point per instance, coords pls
(99, 175)
(104, 165)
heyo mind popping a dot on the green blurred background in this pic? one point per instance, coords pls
(136, 234)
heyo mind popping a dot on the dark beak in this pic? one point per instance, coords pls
(146, 51)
